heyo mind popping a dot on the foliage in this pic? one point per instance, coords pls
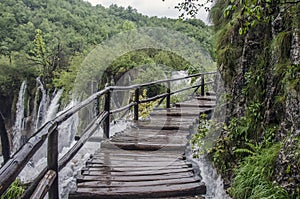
(253, 178)
(146, 108)
(14, 191)
(51, 38)
(197, 139)
(191, 7)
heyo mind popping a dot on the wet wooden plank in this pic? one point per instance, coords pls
(107, 184)
(120, 169)
(111, 162)
(140, 192)
(206, 98)
(150, 146)
(180, 112)
(82, 178)
(108, 173)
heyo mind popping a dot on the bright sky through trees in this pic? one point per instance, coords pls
(151, 7)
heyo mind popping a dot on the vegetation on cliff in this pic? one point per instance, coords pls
(258, 55)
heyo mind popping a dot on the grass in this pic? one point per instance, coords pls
(15, 190)
(253, 178)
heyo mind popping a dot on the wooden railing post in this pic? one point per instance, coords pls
(202, 85)
(52, 160)
(97, 106)
(168, 100)
(106, 122)
(136, 106)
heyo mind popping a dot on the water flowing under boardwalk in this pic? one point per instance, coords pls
(149, 160)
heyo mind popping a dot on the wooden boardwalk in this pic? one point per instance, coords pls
(148, 160)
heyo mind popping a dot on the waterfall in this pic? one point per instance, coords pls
(68, 128)
(53, 107)
(42, 107)
(45, 114)
(19, 123)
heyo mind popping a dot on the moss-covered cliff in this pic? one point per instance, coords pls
(258, 52)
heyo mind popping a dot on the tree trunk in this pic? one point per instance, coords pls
(4, 139)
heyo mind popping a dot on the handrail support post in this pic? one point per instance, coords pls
(106, 122)
(136, 106)
(202, 85)
(168, 100)
(52, 160)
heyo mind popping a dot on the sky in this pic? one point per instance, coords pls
(151, 7)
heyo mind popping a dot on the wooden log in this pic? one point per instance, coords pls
(44, 185)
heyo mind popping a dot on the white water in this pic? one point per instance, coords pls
(19, 123)
(53, 107)
(213, 181)
(41, 113)
(181, 83)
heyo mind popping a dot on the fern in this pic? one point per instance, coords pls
(245, 151)
(253, 179)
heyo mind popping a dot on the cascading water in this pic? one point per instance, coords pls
(40, 119)
(53, 107)
(182, 83)
(213, 181)
(19, 123)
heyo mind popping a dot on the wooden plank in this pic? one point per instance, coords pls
(130, 153)
(183, 112)
(158, 140)
(120, 169)
(206, 98)
(121, 162)
(81, 178)
(138, 192)
(143, 146)
(195, 104)
(154, 132)
(134, 173)
(103, 184)
(137, 158)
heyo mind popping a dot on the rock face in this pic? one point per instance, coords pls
(261, 72)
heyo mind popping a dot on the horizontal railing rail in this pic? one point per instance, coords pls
(47, 180)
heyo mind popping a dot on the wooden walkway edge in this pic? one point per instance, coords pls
(148, 160)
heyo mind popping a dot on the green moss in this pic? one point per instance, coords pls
(281, 45)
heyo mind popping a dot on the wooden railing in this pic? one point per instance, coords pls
(47, 180)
